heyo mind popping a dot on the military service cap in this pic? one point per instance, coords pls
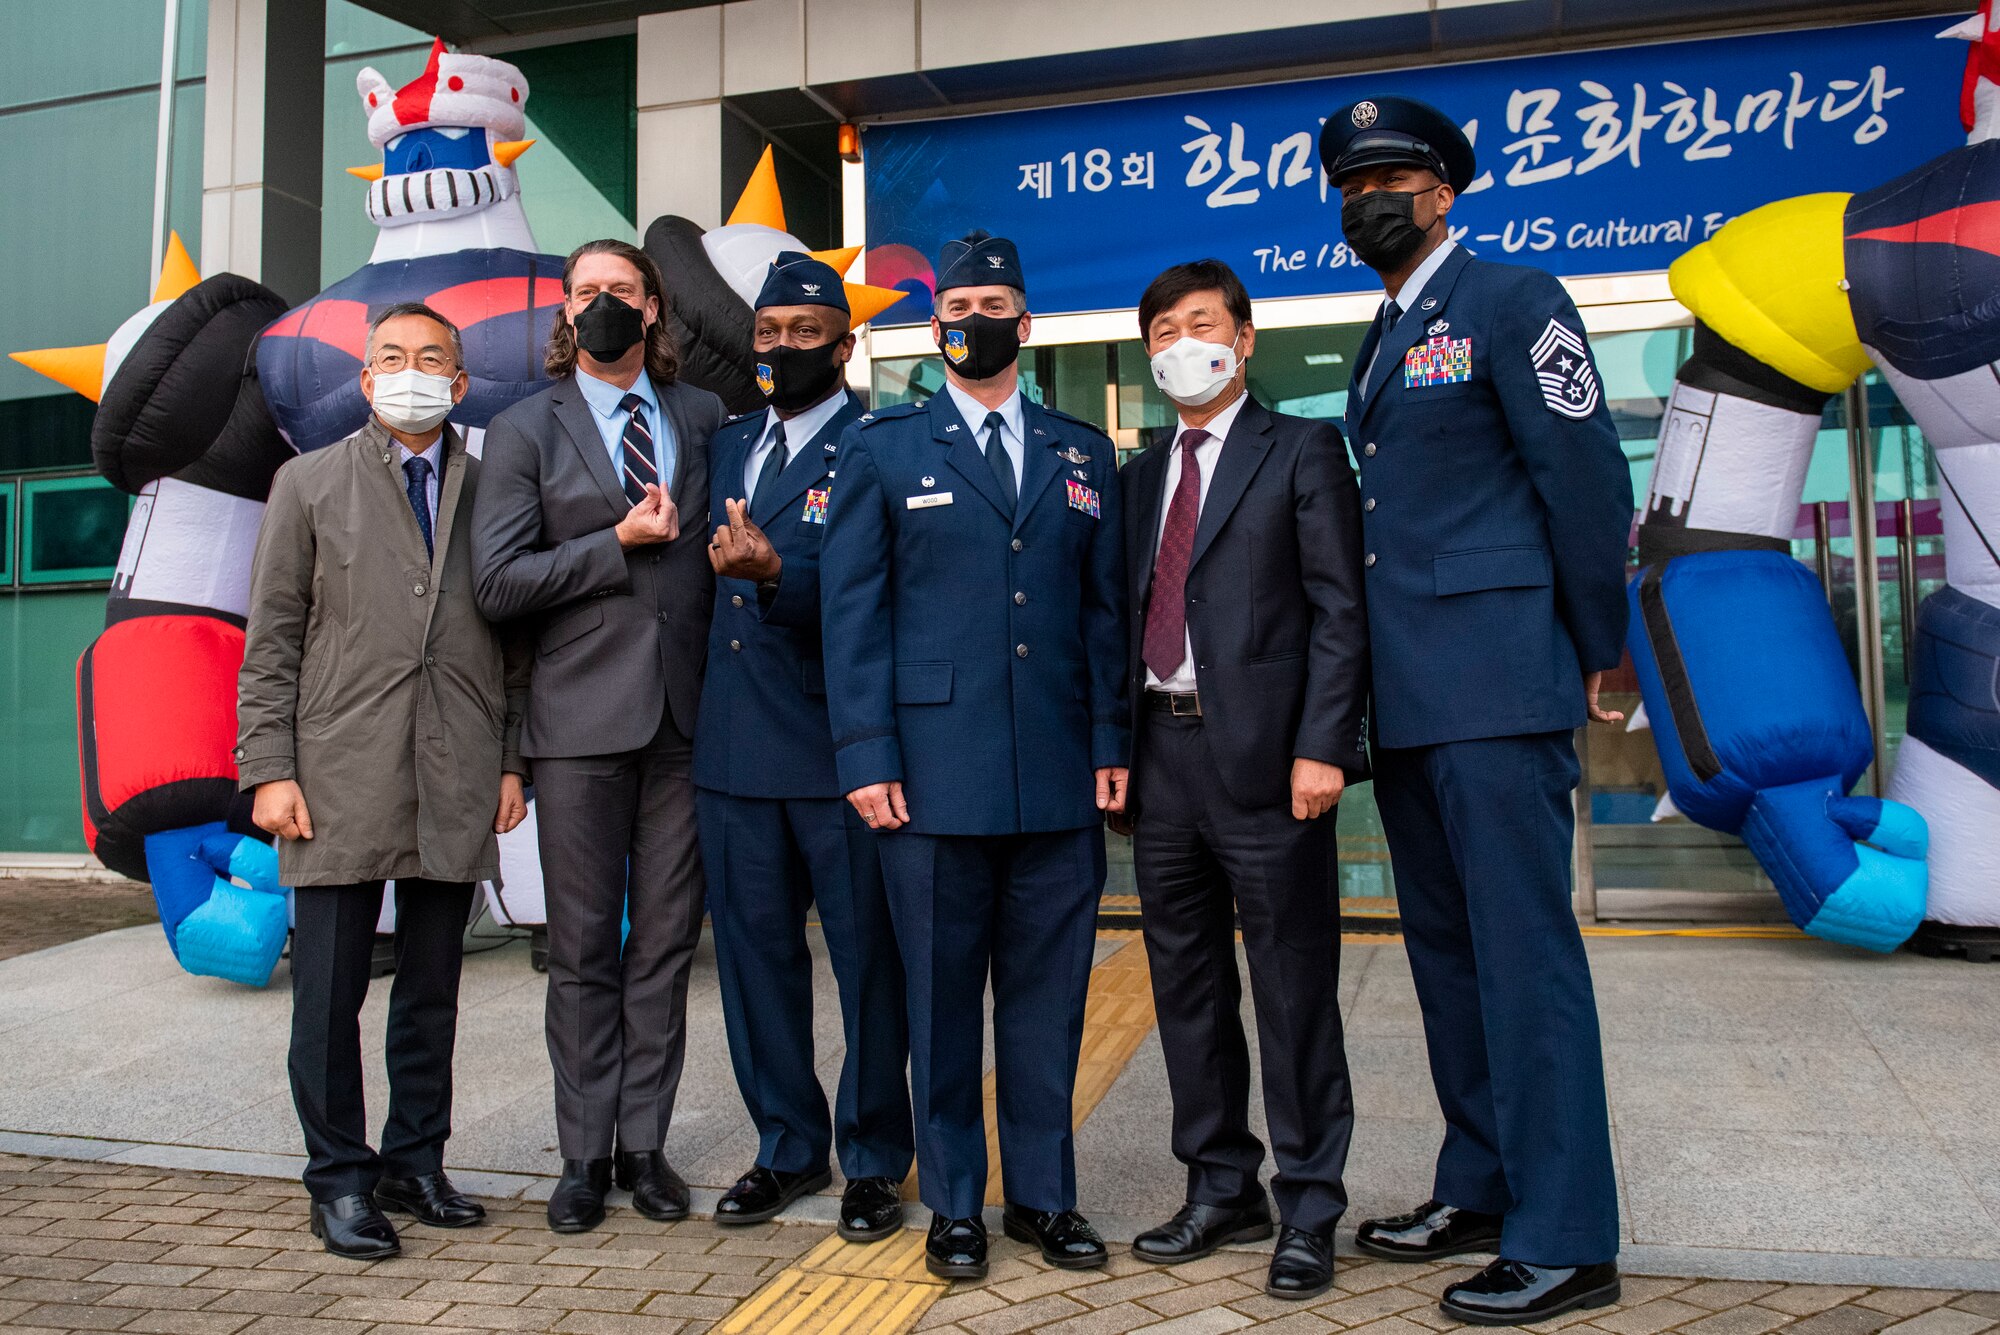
(797, 279)
(1377, 131)
(979, 260)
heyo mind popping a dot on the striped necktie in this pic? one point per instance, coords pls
(636, 451)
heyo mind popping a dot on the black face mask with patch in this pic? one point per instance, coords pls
(980, 347)
(607, 327)
(797, 378)
(1381, 228)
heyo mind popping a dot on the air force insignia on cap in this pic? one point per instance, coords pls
(1363, 115)
(1562, 366)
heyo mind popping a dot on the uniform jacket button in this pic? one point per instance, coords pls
(1020, 651)
(663, 618)
(1020, 600)
(1369, 449)
(1017, 544)
(736, 646)
(1370, 505)
(736, 600)
(1371, 558)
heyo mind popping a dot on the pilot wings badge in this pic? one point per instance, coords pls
(1073, 455)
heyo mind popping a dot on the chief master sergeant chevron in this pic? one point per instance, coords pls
(973, 621)
(1496, 506)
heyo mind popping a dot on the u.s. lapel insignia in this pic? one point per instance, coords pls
(952, 427)
(1040, 432)
(1073, 455)
(829, 447)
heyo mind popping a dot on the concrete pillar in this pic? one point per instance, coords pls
(262, 142)
(680, 116)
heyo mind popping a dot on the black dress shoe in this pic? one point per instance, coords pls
(431, 1198)
(1067, 1240)
(1514, 1293)
(956, 1248)
(657, 1190)
(577, 1205)
(763, 1193)
(1301, 1264)
(1196, 1230)
(353, 1227)
(1430, 1232)
(871, 1208)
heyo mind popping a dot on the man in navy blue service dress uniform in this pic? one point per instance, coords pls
(973, 587)
(776, 835)
(1496, 506)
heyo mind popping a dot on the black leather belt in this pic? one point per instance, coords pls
(1181, 704)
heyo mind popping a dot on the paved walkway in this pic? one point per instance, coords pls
(89, 1247)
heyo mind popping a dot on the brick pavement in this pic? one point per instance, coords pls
(92, 1247)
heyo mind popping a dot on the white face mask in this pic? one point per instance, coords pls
(1192, 372)
(412, 400)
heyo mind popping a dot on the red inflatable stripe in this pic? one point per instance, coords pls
(162, 704)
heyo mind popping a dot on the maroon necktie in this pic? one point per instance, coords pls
(1166, 612)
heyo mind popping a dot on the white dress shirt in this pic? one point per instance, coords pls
(1206, 456)
(974, 413)
(1406, 300)
(434, 456)
(797, 433)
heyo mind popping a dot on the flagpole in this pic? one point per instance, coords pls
(163, 157)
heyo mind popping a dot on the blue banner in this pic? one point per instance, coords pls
(1591, 162)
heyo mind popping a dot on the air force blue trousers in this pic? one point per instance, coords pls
(1480, 835)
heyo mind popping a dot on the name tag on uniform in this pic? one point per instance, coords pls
(1083, 498)
(1437, 361)
(816, 506)
(936, 498)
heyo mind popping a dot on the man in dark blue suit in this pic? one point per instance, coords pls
(1496, 507)
(973, 586)
(1250, 673)
(776, 836)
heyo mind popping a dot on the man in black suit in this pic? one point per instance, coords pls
(578, 527)
(1250, 680)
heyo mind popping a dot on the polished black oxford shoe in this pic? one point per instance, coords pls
(763, 1193)
(871, 1208)
(1514, 1293)
(354, 1227)
(432, 1198)
(657, 1190)
(1197, 1230)
(1301, 1264)
(577, 1204)
(1430, 1232)
(956, 1248)
(1067, 1240)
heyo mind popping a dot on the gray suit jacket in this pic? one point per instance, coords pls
(619, 635)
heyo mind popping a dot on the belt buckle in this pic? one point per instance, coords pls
(1192, 700)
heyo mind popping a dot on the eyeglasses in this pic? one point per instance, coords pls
(430, 363)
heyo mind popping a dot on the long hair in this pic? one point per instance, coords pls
(663, 355)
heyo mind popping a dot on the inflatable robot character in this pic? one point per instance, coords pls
(1758, 722)
(201, 396)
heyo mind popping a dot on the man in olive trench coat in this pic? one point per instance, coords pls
(376, 715)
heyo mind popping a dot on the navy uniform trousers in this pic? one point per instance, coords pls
(769, 860)
(1480, 835)
(1024, 905)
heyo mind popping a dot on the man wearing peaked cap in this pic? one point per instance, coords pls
(974, 603)
(777, 839)
(1496, 504)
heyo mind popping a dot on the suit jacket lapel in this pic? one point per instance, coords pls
(965, 456)
(1243, 450)
(670, 401)
(1357, 388)
(449, 488)
(1411, 327)
(1151, 486)
(809, 464)
(1039, 461)
(576, 416)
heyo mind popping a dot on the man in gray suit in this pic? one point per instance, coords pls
(578, 528)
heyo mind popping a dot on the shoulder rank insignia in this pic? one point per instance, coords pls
(1073, 455)
(1562, 366)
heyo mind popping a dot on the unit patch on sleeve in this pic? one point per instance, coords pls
(1562, 365)
(1083, 498)
(1438, 361)
(815, 512)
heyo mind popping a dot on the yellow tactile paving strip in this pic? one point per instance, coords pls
(841, 1287)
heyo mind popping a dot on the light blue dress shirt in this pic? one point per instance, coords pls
(604, 398)
(973, 413)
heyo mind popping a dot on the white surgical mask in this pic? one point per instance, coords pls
(1192, 372)
(412, 400)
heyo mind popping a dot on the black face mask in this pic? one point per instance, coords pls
(607, 327)
(1381, 227)
(796, 378)
(980, 347)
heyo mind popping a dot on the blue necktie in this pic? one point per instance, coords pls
(996, 455)
(767, 477)
(636, 451)
(417, 471)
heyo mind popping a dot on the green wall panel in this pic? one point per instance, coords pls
(41, 637)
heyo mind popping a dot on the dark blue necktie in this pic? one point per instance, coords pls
(996, 455)
(636, 451)
(417, 472)
(767, 476)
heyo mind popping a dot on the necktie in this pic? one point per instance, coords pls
(636, 451)
(1391, 313)
(417, 480)
(1166, 609)
(767, 476)
(996, 456)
